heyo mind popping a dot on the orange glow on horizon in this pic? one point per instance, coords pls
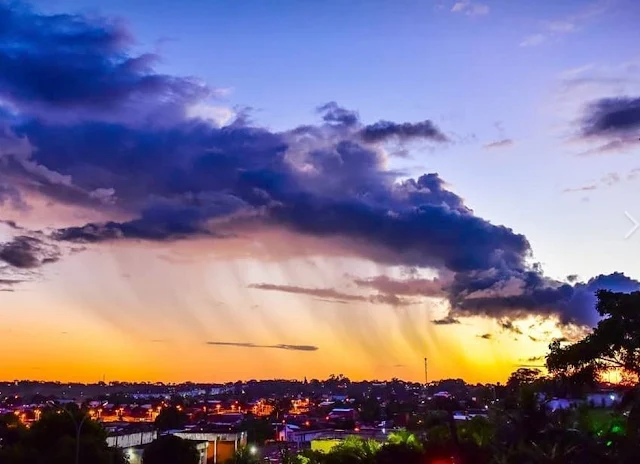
(146, 314)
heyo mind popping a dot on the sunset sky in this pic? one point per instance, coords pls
(212, 190)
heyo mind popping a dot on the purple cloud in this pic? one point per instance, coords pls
(90, 124)
(615, 122)
(64, 67)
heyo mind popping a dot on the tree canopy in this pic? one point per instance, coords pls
(52, 440)
(169, 449)
(613, 344)
(171, 418)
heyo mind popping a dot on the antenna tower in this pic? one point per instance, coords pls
(426, 377)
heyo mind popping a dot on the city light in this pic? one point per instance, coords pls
(409, 257)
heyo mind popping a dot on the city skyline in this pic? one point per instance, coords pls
(226, 190)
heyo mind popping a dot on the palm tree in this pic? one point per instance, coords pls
(357, 450)
(478, 430)
(551, 454)
(405, 438)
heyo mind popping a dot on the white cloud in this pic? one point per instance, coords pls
(560, 27)
(572, 23)
(218, 115)
(533, 40)
(470, 8)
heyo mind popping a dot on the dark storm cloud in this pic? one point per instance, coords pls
(335, 114)
(326, 293)
(448, 320)
(500, 295)
(508, 326)
(386, 130)
(613, 121)
(162, 222)
(275, 347)
(612, 117)
(407, 287)
(510, 293)
(334, 295)
(64, 65)
(12, 224)
(381, 131)
(24, 252)
(6, 285)
(90, 124)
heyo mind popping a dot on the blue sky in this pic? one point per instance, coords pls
(507, 81)
(410, 60)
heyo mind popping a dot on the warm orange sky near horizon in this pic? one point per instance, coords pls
(223, 205)
(145, 312)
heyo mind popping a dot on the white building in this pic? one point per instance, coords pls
(134, 455)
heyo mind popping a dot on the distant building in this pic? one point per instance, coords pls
(126, 436)
(134, 455)
(226, 419)
(192, 393)
(221, 445)
(342, 414)
(470, 414)
(219, 390)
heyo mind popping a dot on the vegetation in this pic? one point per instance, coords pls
(169, 449)
(519, 427)
(52, 440)
(171, 418)
(244, 455)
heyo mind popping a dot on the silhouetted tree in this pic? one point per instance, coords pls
(521, 377)
(171, 418)
(258, 429)
(613, 344)
(52, 440)
(370, 410)
(398, 453)
(169, 449)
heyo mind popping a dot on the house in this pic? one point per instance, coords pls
(342, 414)
(286, 432)
(221, 444)
(470, 414)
